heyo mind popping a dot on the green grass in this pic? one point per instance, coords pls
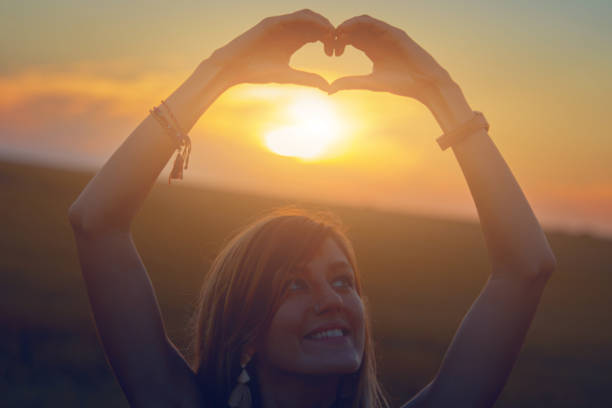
(421, 276)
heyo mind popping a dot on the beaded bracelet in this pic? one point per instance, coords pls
(183, 141)
(477, 122)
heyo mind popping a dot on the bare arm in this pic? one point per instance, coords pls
(484, 349)
(147, 365)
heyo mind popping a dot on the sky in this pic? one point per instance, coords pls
(76, 77)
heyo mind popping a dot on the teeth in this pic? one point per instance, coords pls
(327, 333)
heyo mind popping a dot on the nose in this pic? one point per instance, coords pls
(326, 299)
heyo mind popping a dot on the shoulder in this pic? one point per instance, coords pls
(421, 400)
(178, 388)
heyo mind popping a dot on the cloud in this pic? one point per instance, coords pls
(61, 111)
(86, 111)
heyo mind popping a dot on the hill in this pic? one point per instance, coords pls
(421, 275)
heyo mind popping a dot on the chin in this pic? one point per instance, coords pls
(340, 369)
(329, 356)
(330, 365)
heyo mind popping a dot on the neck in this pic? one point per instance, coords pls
(289, 390)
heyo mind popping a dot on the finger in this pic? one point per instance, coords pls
(339, 45)
(311, 14)
(324, 31)
(364, 32)
(376, 37)
(367, 82)
(328, 44)
(361, 23)
(372, 46)
(297, 77)
(310, 27)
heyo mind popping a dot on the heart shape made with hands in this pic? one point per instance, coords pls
(303, 136)
(353, 62)
(263, 53)
(397, 64)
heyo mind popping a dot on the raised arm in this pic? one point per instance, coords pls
(485, 347)
(149, 368)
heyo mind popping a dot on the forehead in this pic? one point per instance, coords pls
(328, 257)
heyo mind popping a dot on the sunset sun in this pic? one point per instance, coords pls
(312, 127)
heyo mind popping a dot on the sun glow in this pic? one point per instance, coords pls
(312, 129)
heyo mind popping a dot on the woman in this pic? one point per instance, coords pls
(288, 312)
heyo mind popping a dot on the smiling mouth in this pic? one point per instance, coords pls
(327, 334)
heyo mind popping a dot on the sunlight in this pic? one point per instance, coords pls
(313, 127)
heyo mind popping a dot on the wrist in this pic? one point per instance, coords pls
(208, 77)
(190, 100)
(449, 106)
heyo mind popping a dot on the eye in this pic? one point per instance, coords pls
(343, 282)
(295, 284)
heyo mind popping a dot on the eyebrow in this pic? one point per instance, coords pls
(335, 265)
(339, 265)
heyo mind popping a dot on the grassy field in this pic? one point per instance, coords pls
(421, 276)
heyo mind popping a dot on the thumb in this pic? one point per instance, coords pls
(367, 82)
(297, 77)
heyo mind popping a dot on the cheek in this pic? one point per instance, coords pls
(284, 333)
(288, 317)
(356, 315)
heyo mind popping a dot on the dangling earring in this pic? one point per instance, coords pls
(241, 395)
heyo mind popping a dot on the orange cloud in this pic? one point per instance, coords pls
(389, 159)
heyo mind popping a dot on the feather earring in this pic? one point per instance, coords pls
(241, 394)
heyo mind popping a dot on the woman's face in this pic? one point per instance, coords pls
(319, 327)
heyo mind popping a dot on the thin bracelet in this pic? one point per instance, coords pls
(159, 116)
(182, 140)
(464, 130)
(173, 118)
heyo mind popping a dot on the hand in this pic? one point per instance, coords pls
(262, 54)
(400, 65)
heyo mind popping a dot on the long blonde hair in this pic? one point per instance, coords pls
(242, 291)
